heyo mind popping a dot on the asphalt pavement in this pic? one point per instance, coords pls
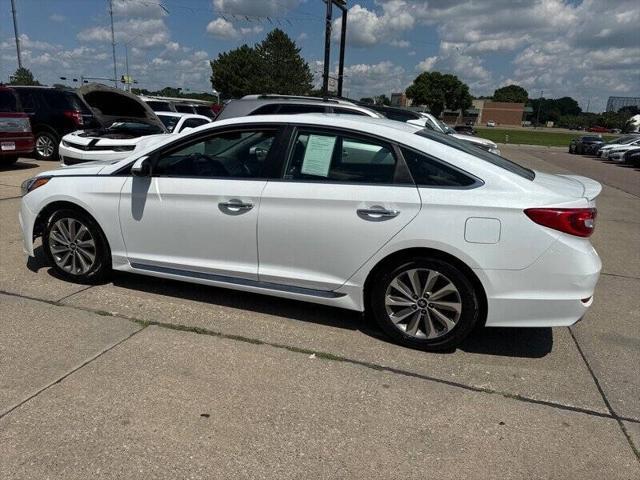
(147, 378)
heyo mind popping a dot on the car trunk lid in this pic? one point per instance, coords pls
(575, 186)
(110, 105)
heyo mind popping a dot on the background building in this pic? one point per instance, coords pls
(399, 100)
(616, 103)
(503, 113)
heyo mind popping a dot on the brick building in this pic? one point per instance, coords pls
(503, 113)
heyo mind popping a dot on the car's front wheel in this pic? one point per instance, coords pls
(76, 247)
(46, 146)
(425, 303)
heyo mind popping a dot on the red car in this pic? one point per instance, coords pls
(16, 137)
(598, 129)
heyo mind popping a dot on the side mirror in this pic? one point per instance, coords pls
(141, 167)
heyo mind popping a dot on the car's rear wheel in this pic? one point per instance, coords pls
(425, 303)
(76, 247)
(46, 146)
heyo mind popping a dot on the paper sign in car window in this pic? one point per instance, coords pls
(317, 156)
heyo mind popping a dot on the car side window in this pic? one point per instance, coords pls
(235, 154)
(193, 123)
(331, 157)
(346, 111)
(429, 172)
(28, 101)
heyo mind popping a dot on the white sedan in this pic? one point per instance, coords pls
(128, 126)
(429, 234)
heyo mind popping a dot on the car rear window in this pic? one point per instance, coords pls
(159, 106)
(466, 147)
(184, 108)
(169, 121)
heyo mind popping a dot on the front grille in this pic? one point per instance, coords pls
(67, 160)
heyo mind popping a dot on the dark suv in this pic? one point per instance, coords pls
(54, 112)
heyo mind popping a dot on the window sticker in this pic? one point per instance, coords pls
(317, 156)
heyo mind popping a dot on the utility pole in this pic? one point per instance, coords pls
(539, 105)
(327, 50)
(15, 30)
(341, 4)
(113, 45)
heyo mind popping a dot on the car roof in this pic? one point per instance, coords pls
(249, 103)
(181, 115)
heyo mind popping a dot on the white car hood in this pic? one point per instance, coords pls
(86, 168)
(622, 148)
(86, 141)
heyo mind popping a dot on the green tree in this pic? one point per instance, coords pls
(23, 76)
(439, 91)
(511, 94)
(383, 100)
(237, 73)
(367, 100)
(283, 70)
(272, 66)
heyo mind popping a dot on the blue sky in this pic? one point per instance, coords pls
(588, 49)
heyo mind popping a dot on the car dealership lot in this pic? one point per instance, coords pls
(150, 378)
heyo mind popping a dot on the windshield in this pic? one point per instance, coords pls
(478, 153)
(134, 127)
(169, 121)
(8, 101)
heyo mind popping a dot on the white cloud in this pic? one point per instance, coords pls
(144, 33)
(367, 28)
(221, 28)
(253, 8)
(427, 64)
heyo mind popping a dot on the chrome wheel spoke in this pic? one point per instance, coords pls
(443, 319)
(443, 292)
(414, 279)
(453, 306)
(86, 254)
(400, 286)
(71, 228)
(431, 281)
(59, 238)
(399, 301)
(414, 323)
(429, 329)
(401, 315)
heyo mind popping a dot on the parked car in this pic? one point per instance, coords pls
(603, 150)
(617, 154)
(465, 129)
(598, 129)
(283, 104)
(181, 105)
(16, 138)
(127, 124)
(579, 145)
(53, 112)
(632, 157)
(427, 120)
(431, 235)
(491, 123)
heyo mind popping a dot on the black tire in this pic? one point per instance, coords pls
(466, 296)
(46, 138)
(100, 269)
(7, 160)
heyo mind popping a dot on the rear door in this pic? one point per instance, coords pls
(342, 196)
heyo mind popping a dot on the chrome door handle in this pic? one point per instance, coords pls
(377, 213)
(236, 206)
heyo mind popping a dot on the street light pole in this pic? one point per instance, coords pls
(113, 45)
(15, 30)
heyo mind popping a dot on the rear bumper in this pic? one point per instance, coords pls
(557, 290)
(22, 144)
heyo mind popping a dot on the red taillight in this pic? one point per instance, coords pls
(75, 116)
(574, 221)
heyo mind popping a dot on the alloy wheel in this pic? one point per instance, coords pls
(45, 146)
(423, 303)
(72, 246)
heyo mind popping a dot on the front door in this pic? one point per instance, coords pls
(198, 210)
(342, 198)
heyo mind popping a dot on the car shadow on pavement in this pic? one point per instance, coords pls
(19, 165)
(507, 342)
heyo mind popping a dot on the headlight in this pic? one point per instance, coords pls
(495, 151)
(33, 183)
